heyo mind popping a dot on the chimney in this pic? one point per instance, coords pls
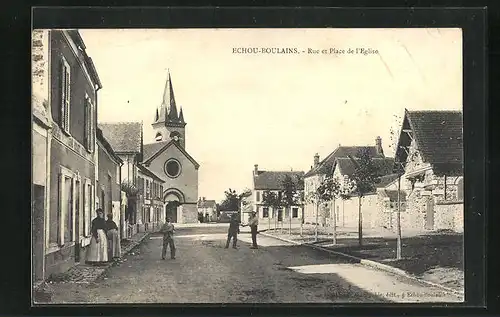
(316, 159)
(378, 145)
(255, 169)
(203, 198)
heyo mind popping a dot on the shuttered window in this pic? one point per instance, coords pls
(65, 95)
(89, 127)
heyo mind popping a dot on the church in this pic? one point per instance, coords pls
(168, 158)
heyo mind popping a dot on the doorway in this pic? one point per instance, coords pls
(38, 231)
(171, 211)
(429, 215)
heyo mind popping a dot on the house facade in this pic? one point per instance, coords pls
(431, 147)
(168, 158)
(71, 169)
(150, 200)
(108, 190)
(126, 139)
(41, 144)
(271, 181)
(320, 169)
(207, 208)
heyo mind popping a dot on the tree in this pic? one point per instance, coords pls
(291, 195)
(363, 181)
(335, 192)
(323, 193)
(131, 191)
(271, 199)
(233, 199)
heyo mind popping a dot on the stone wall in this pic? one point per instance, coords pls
(449, 216)
(188, 213)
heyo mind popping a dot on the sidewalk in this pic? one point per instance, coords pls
(435, 257)
(85, 273)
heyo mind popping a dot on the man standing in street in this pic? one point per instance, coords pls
(168, 239)
(253, 223)
(234, 229)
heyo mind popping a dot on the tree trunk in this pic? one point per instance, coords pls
(316, 227)
(398, 219)
(360, 222)
(334, 240)
(290, 214)
(302, 221)
(268, 220)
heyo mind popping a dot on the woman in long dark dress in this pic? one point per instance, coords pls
(98, 252)
(114, 247)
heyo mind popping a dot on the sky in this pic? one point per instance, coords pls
(274, 110)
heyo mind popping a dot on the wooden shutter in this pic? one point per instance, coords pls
(61, 217)
(63, 94)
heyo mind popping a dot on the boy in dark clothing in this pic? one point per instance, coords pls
(168, 239)
(234, 229)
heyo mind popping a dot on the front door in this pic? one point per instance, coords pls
(171, 211)
(429, 215)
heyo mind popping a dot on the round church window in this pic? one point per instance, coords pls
(172, 168)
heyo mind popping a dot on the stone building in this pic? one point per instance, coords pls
(320, 169)
(431, 145)
(126, 139)
(108, 190)
(272, 181)
(207, 208)
(71, 138)
(151, 213)
(168, 158)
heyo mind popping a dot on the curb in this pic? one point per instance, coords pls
(373, 264)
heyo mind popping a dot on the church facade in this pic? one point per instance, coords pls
(168, 158)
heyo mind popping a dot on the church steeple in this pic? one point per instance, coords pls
(168, 122)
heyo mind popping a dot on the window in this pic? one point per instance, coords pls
(78, 209)
(117, 173)
(295, 212)
(88, 124)
(66, 219)
(258, 195)
(265, 212)
(148, 190)
(172, 168)
(110, 194)
(65, 95)
(87, 207)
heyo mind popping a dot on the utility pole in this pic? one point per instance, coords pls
(398, 219)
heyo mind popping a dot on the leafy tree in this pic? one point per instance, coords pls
(232, 201)
(363, 181)
(323, 193)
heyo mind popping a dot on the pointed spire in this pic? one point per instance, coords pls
(181, 116)
(169, 100)
(157, 116)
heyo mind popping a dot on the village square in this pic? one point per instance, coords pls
(355, 224)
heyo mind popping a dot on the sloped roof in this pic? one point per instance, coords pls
(149, 173)
(107, 146)
(439, 138)
(325, 166)
(151, 150)
(386, 180)
(346, 166)
(271, 180)
(393, 195)
(207, 204)
(124, 137)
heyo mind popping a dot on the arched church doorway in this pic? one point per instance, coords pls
(171, 210)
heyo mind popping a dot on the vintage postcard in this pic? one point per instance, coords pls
(247, 166)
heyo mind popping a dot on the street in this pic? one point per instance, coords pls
(278, 272)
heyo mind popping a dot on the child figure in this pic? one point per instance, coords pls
(168, 239)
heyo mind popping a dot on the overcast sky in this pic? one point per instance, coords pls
(275, 110)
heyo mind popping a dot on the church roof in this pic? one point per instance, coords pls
(124, 137)
(152, 150)
(146, 171)
(167, 113)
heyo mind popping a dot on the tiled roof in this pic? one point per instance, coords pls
(149, 173)
(393, 195)
(206, 204)
(386, 180)
(107, 146)
(124, 137)
(271, 180)
(346, 166)
(325, 166)
(439, 136)
(151, 150)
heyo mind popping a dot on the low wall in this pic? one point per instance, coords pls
(449, 216)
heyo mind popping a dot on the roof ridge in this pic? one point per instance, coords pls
(427, 110)
(121, 122)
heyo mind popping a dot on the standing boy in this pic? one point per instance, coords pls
(253, 223)
(168, 239)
